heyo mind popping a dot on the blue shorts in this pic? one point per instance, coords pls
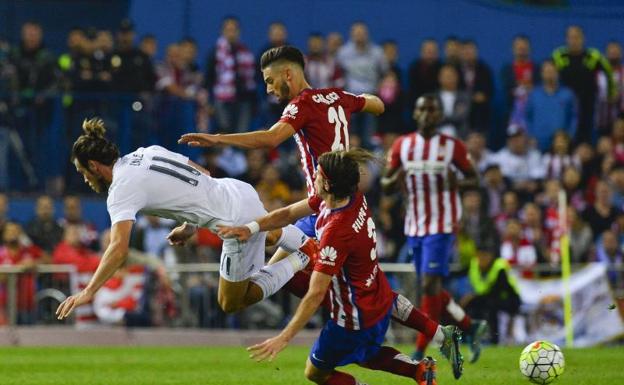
(337, 346)
(307, 225)
(432, 253)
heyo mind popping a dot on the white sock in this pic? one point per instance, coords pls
(455, 311)
(271, 278)
(402, 308)
(292, 238)
(438, 337)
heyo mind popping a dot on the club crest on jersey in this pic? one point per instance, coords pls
(328, 256)
(290, 111)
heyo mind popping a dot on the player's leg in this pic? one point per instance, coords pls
(475, 330)
(235, 270)
(272, 237)
(244, 280)
(327, 377)
(377, 357)
(435, 256)
(390, 360)
(247, 281)
(446, 338)
(337, 346)
(305, 225)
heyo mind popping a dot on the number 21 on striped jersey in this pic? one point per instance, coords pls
(341, 128)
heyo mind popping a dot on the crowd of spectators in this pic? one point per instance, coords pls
(564, 128)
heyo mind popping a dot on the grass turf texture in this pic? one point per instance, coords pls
(230, 365)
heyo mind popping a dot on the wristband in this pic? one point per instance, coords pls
(253, 227)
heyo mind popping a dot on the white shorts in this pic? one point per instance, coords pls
(239, 260)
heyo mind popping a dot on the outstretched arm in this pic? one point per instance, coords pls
(274, 220)
(270, 138)
(114, 256)
(319, 283)
(373, 104)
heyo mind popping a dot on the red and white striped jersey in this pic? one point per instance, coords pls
(320, 118)
(360, 294)
(433, 205)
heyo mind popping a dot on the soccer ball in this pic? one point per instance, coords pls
(542, 362)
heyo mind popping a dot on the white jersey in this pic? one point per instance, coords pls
(156, 181)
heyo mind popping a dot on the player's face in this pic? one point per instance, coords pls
(96, 182)
(319, 185)
(427, 113)
(275, 78)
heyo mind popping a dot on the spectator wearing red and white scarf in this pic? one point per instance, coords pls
(518, 249)
(230, 79)
(608, 109)
(322, 70)
(559, 156)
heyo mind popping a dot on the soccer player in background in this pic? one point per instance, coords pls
(427, 162)
(163, 183)
(361, 300)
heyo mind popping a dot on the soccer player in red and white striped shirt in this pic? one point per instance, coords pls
(361, 300)
(428, 161)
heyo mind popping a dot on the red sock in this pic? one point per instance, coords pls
(431, 306)
(393, 361)
(298, 286)
(464, 322)
(417, 320)
(340, 378)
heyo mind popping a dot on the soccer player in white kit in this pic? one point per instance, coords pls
(156, 181)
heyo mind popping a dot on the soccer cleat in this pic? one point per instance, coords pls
(478, 330)
(450, 349)
(310, 248)
(426, 373)
(418, 355)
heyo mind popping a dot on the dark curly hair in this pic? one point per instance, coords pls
(93, 145)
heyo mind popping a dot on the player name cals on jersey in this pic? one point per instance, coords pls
(320, 118)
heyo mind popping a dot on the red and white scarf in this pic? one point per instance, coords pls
(227, 58)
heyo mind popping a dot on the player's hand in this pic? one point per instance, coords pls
(198, 140)
(267, 349)
(70, 303)
(179, 235)
(242, 233)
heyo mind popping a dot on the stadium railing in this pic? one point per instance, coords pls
(194, 287)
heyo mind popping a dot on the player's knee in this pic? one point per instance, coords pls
(311, 374)
(228, 305)
(272, 237)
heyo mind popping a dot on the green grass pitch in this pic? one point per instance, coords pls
(230, 365)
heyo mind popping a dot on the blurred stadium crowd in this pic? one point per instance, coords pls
(564, 129)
